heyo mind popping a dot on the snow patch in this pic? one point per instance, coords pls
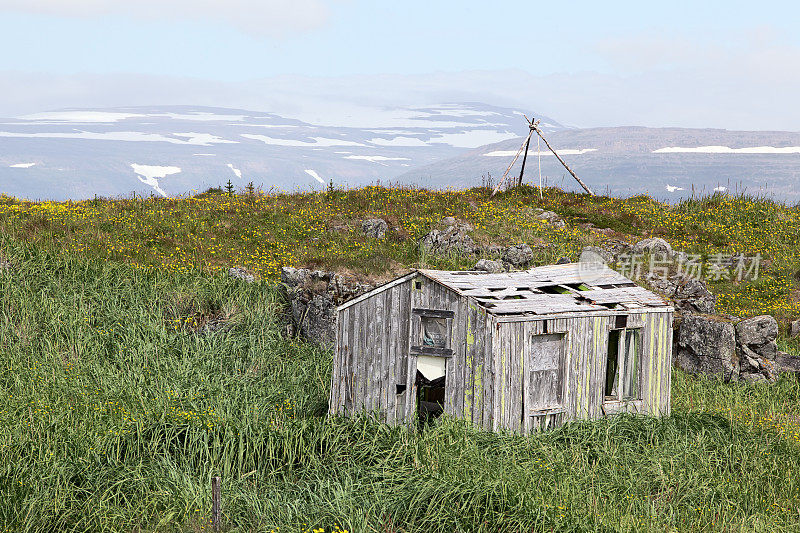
(376, 158)
(512, 153)
(314, 175)
(22, 165)
(197, 139)
(728, 150)
(150, 174)
(473, 138)
(399, 141)
(720, 189)
(81, 116)
(200, 116)
(204, 139)
(673, 188)
(319, 142)
(205, 154)
(235, 170)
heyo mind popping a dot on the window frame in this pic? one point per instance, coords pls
(421, 349)
(622, 359)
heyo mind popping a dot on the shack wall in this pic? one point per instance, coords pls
(584, 356)
(371, 355)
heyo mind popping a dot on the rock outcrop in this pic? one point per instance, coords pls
(794, 329)
(452, 238)
(744, 350)
(375, 228)
(757, 347)
(707, 345)
(487, 265)
(690, 296)
(653, 245)
(518, 255)
(313, 296)
(242, 274)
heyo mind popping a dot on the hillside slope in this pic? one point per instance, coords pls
(133, 368)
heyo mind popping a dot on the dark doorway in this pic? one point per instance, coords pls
(430, 398)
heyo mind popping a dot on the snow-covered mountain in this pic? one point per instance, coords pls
(79, 153)
(174, 150)
(667, 163)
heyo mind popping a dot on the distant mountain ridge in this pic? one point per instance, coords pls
(667, 163)
(169, 150)
(173, 150)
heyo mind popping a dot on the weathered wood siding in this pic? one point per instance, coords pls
(371, 355)
(657, 363)
(432, 295)
(499, 368)
(513, 396)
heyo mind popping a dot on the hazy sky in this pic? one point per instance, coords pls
(718, 64)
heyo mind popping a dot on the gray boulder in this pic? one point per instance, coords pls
(707, 345)
(547, 216)
(653, 245)
(518, 255)
(374, 227)
(689, 295)
(551, 218)
(787, 363)
(693, 296)
(596, 254)
(313, 296)
(451, 239)
(757, 330)
(242, 274)
(487, 265)
(757, 346)
(794, 329)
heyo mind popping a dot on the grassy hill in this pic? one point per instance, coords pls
(117, 405)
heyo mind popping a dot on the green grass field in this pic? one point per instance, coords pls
(116, 407)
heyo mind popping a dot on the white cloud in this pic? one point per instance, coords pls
(274, 18)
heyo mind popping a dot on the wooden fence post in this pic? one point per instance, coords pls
(216, 503)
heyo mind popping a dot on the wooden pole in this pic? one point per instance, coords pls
(524, 158)
(505, 174)
(216, 503)
(539, 133)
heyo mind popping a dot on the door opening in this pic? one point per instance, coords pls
(430, 398)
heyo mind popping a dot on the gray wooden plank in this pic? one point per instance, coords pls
(392, 333)
(489, 372)
(352, 360)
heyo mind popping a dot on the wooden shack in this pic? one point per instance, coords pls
(510, 351)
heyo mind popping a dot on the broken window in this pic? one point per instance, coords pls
(622, 365)
(434, 332)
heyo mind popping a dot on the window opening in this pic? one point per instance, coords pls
(418, 285)
(434, 332)
(622, 365)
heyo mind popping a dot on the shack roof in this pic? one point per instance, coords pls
(552, 289)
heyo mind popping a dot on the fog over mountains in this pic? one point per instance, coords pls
(174, 150)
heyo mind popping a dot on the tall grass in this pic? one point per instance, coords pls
(117, 407)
